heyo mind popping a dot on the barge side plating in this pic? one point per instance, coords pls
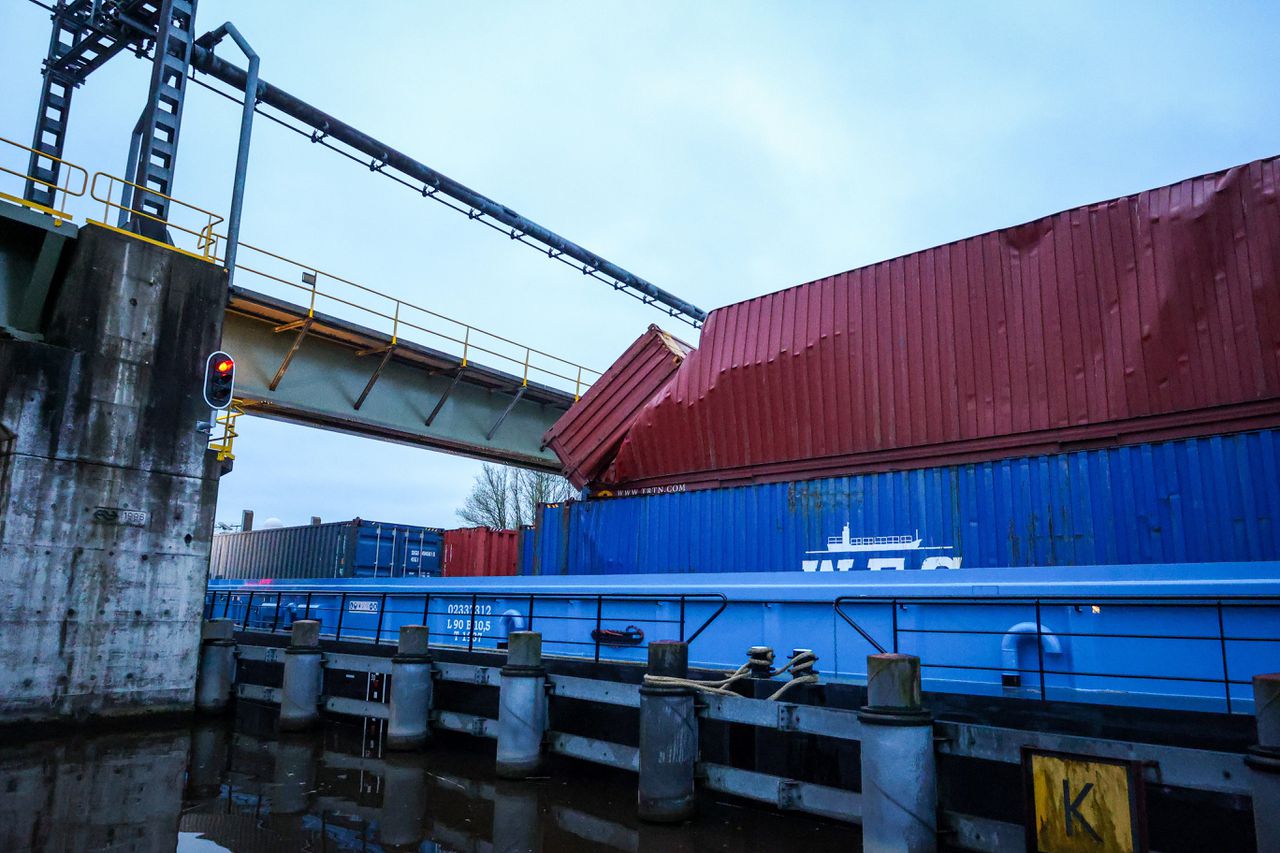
(1185, 637)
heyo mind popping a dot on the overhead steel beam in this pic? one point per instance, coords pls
(384, 156)
(330, 385)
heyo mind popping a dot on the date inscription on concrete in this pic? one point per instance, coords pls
(120, 517)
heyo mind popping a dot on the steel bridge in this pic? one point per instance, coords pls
(311, 347)
(301, 364)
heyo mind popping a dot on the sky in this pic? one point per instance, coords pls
(721, 150)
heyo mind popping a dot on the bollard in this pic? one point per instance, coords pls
(522, 707)
(1264, 761)
(760, 661)
(668, 738)
(899, 783)
(217, 669)
(410, 691)
(303, 671)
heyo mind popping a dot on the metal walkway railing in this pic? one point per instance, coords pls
(65, 186)
(596, 626)
(1142, 648)
(325, 290)
(194, 232)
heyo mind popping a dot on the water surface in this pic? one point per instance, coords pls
(235, 786)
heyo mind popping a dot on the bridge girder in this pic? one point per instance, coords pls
(334, 374)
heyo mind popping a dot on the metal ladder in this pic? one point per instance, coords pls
(85, 34)
(157, 152)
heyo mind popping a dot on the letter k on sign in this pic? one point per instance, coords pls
(1083, 803)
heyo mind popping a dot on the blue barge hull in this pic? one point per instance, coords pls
(1185, 636)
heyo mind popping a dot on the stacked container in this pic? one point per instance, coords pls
(343, 549)
(481, 552)
(1097, 386)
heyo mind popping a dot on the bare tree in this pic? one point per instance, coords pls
(504, 497)
(538, 487)
(490, 503)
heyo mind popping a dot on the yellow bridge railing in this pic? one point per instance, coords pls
(324, 289)
(196, 228)
(103, 189)
(70, 171)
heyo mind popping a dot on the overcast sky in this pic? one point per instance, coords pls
(721, 150)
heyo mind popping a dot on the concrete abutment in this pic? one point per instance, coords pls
(107, 491)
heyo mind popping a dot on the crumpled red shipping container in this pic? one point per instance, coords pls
(587, 436)
(1149, 316)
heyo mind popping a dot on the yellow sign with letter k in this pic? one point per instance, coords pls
(1083, 804)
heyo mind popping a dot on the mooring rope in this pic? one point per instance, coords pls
(800, 667)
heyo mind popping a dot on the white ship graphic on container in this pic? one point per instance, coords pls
(911, 546)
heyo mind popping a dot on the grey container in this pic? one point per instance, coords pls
(340, 549)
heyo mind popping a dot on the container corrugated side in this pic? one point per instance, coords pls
(586, 437)
(480, 552)
(1207, 499)
(528, 542)
(308, 551)
(356, 548)
(1144, 318)
(397, 550)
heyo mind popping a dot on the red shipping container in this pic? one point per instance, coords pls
(481, 552)
(587, 436)
(1151, 316)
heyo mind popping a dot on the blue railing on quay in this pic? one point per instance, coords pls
(1215, 642)
(606, 626)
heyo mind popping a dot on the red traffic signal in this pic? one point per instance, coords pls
(219, 380)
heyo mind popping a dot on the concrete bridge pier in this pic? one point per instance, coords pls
(107, 490)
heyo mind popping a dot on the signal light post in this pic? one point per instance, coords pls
(219, 380)
(219, 393)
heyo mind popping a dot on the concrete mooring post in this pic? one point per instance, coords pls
(411, 690)
(899, 781)
(1264, 761)
(668, 737)
(217, 668)
(303, 675)
(522, 707)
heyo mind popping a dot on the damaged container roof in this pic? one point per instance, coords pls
(587, 436)
(1150, 316)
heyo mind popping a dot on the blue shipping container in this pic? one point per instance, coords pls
(1207, 499)
(528, 540)
(397, 550)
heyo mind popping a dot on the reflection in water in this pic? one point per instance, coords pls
(223, 787)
